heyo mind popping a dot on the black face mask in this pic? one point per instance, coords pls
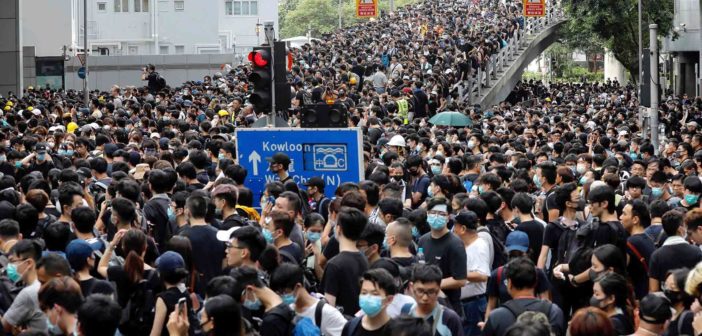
(673, 296)
(398, 178)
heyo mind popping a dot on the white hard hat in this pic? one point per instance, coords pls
(398, 141)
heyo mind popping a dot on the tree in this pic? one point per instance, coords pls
(319, 15)
(615, 24)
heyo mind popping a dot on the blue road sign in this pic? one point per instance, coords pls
(81, 72)
(335, 155)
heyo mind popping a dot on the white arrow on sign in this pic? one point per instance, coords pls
(255, 158)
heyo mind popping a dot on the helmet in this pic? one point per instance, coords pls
(71, 127)
(398, 141)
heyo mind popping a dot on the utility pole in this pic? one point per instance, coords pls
(340, 11)
(85, 53)
(269, 30)
(641, 118)
(392, 6)
(654, 85)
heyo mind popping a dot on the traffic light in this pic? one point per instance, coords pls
(282, 87)
(324, 116)
(260, 78)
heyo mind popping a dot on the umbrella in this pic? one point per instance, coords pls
(456, 119)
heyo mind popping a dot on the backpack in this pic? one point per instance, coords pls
(289, 315)
(567, 245)
(138, 314)
(517, 310)
(8, 289)
(160, 81)
(305, 327)
(586, 243)
(311, 281)
(500, 254)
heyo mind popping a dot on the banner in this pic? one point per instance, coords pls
(534, 8)
(366, 8)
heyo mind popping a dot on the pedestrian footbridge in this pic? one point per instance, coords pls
(505, 69)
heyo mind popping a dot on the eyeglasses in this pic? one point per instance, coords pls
(428, 292)
(230, 245)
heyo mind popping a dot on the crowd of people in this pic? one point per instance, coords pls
(551, 215)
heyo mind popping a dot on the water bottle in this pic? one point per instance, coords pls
(420, 256)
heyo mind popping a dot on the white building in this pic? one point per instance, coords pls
(145, 27)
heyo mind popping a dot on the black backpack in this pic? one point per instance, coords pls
(160, 81)
(586, 241)
(500, 254)
(138, 314)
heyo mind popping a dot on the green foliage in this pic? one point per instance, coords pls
(322, 15)
(614, 24)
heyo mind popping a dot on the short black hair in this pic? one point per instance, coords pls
(54, 264)
(9, 228)
(372, 191)
(658, 208)
(427, 273)
(522, 273)
(636, 182)
(84, 219)
(251, 238)
(382, 279)
(245, 276)
(124, 208)
(27, 248)
(373, 234)
(197, 205)
(286, 276)
(56, 236)
(99, 315)
(391, 206)
(603, 194)
(672, 221)
(523, 202)
(352, 222)
(548, 171)
(639, 209)
(693, 183)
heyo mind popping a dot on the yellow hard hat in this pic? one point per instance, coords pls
(7, 108)
(352, 80)
(10, 103)
(30, 108)
(71, 127)
(223, 113)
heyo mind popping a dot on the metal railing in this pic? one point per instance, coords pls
(471, 89)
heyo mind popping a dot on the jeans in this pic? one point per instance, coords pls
(474, 312)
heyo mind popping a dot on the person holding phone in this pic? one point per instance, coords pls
(171, 268)
(39, 160)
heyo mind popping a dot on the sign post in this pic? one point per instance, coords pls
(534, 8)
(366, 8)
(81, 73)
(335, 155)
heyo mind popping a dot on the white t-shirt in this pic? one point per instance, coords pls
(487, 238)
(477, 260)
(395, 308)
(332, 320)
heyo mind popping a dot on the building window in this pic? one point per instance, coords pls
(236, 7)
(163, 50)
(121, 6)
(141, 6)
(179, 5)
(102, 7)
(179, 50)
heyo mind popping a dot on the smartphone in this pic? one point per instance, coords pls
(181, 305)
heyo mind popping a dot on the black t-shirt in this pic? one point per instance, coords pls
(332, 248)
(276, 322)
(406, 261)
(499, 289)
(125, 288)
(421, 102)
(293, 250)
(209, 253)
(552, 235)
(622, 324)
(361, 331)
(644, 247)
(170, 297)
(449, 253)
(535, 231)
(341, 279)
(86, 286)
(674, 256)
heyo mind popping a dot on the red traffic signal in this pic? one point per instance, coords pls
(259, 58)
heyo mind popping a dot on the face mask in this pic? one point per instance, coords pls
(415, 232)
(594, 275)
(691, 198)
(3, 158)
(313, 236)
(583, 180)
(673, 296)
(510, 165)
(480, 189)
(268, 235)
(41, 157)
(288, 299)
(633, 155)
(397, 179)
(436, 222)
(254, 305)
(595, 302)
(12, 273)
(581, 169)
(218, 212)
(220, 156)
(70, 152)
(370, 304)
(18, 164)
(436, 170)
(656, 192)
(50, 144)
(53, 329)
(430, 192)
(537, 181)
(471, 144)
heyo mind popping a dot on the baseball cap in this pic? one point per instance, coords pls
(468, 219)
(280, 158)
(315, 181)
(169, 262)
(224, 189)
(110, 149)
(226, 235)
(77, 252)
(655, 309)
(40, 148)
(517, 241)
